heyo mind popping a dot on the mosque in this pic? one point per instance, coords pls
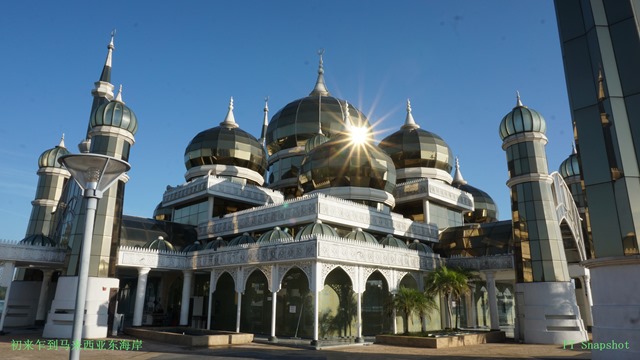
(307, 231)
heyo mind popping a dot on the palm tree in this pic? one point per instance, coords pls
(450, 283)
(408, 301)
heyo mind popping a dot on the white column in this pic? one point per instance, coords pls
(44, 292)
(316, 286)
(493, 300)
(394, 315)
(586, 289)
(212, 288)
(359, 339)
(6, 278)
(186, 294)
(471, 306)
(238, 311)
(274, 297)
(140, 295)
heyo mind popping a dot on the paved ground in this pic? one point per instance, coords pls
(23, 344)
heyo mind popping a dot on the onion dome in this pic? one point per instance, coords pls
(162, 213)
(570, 166)
(274, 235)
(196, 246)
(38, 240)
(245, 238)
(360, 235)
(315, 141)
(349, 160)
(115, 113)
(389, 240)
(159, 244)
(50, 157)
(301, 119)
(317, 228)
(216, 244)
(485, 209)
(520, 120)
(226, 150)
(420, 247)
(418, 153)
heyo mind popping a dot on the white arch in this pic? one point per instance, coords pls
(567, 211)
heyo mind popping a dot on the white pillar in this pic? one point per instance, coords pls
(212, 288)
(140, 295)
(394, 315)
(586, 290)
(359, 339)
(44, 292)
(316, 284)
(274, 297)
(493, 300)
(238, 311)
(471, 306)
(6, 278)
(186, 294)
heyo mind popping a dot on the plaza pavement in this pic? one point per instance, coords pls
(15, 344)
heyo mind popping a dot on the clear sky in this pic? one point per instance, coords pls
(460, 63)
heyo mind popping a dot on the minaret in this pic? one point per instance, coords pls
(544, 289)
(52, 178)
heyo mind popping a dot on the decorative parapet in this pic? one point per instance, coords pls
(433, 190)
(220, 186)
(312, 247)
(32, 254)
(309, 208)
(154, 259)
(496, 262)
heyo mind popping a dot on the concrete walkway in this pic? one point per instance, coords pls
(24, 344)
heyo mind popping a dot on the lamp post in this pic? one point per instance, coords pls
(94, 173)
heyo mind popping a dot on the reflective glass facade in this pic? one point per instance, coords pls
(192, 214)
(443, 216)
(601, 52)
(418, 148)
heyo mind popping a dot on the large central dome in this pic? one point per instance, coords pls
(297, 122)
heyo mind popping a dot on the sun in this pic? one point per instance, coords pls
(358, 134)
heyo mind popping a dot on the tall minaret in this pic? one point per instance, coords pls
(111, 130)
(51, 180)
(543, 290)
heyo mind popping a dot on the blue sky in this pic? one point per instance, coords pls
(460, 63)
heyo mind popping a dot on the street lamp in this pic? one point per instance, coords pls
(94, 173)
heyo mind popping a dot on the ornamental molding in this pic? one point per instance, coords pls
(305, 266)
(13, 251)
(523, 137)
(154, 259)
(496, 262)
(108, 130)
(426, 189)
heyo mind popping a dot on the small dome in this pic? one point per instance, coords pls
(315, 141)
(38, 240)
(485, 209)
(229, 146)
(317, 228)
(570, 167)
(412, 147)
(360, 235)
(50, 157)
(159, 244)
(274, 235)
(216, 244)
(242, 239)
(520, 120)
(389, 240)
(115, 113)
(195, 246)
(162, 213)
(420, 247)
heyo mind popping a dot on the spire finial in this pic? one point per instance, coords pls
(573, 148)
(61, 144)
(409, 122)
(265, 123)
(457, 176)
(106, 70)
(320, 89)
(601, 94)
(119, 96)
(347, 117)
(229, 120)
(518, 101)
